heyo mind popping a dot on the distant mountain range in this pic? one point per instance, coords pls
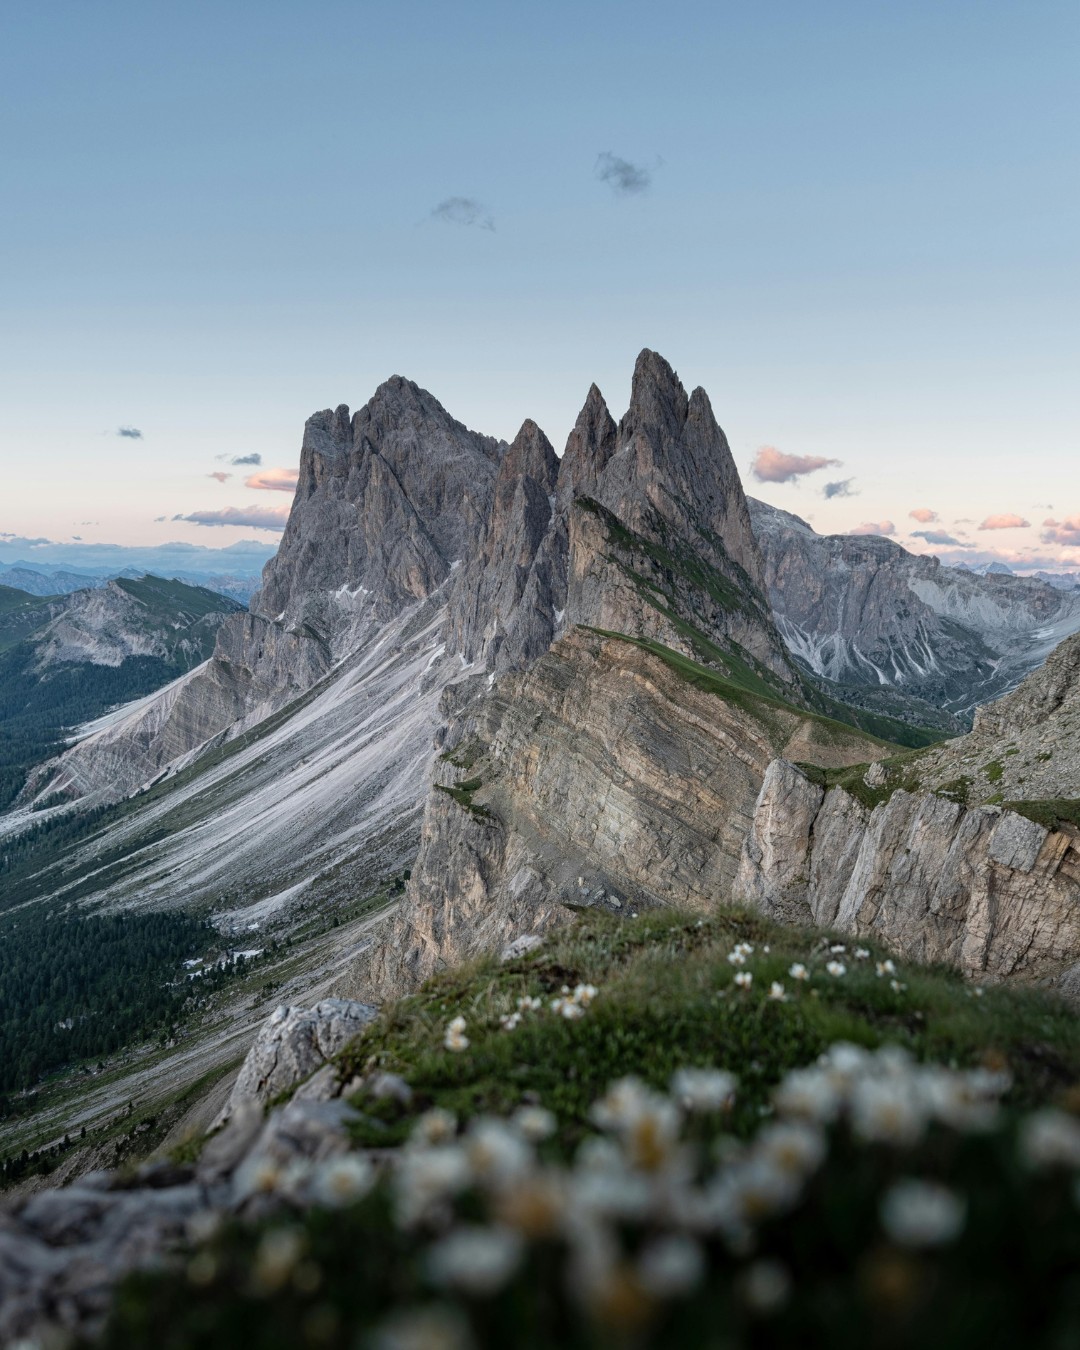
(46, 579)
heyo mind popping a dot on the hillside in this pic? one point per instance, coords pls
(67, 659)
(872, 1152)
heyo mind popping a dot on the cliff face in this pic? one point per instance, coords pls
(866, 613)
(607, 774)
(981, 888)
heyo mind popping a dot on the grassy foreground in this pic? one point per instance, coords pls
(838, 1173)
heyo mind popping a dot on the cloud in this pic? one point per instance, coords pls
(1008, 521)
(463, 211)
(1065, 531)
(885, 527)
(241, 461)
(773, 466)
(939, 537)
(221, 477)
(274, 480)
(255, 517)
(841, 489)
(624, 179)
(923, 515)
(131, 433)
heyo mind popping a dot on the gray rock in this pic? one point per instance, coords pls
(291, 1045)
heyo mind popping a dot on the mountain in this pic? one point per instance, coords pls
(52, 580)
(67, 658)
(879, 621)
(521, 685)
(55, 581)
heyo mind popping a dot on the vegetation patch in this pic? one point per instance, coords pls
(463, 793)
(737, 1183)
(1052, 813)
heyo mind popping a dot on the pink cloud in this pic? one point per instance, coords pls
(274, 480)
(923, 515)
(773, 466)
(1065, 531)
(1008, 521)
(221, 477)
(253, 517)
(885, 527)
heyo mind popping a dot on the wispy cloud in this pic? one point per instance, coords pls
(923, 515)
(1006, 521)
(253, 517)
(131, 433)
(841, 489)
(773, 466)
(463, 211)
(221, 477)
(274, 480)
(885, 527)
(241, 461)
(623, 177)
(1065, 531)
(939, 537)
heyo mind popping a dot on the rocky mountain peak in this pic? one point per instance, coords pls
(530, 456)
(588, 448)
(658, 400)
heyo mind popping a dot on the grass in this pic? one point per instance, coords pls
(343, 1278)
(764, 706)
(901, 775)
(646, 1022)
(1053, 813)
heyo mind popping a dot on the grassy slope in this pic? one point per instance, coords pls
(667, 999)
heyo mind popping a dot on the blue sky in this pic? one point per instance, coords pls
(859, 236)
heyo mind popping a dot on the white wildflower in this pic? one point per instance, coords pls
(776, 992)
(528, 1004)
(1050, 1138)
(799, 972)
(838, 949)
(766, 1286)
(475, 1260)
(567, 1008)
(862, 954)
(671, 1266)
(744, 979)
(704, 1089)
(809, 1093)
(584, 994)
(978, 991)
(737, 958)
(792, 1145)
(343, 1181)
(746, 948)
(496, 1151)
(897, 987)
(256, 1176)
(455, 1038)
(885, 968)
(535, 1123)
(887, 1111)
(510, 1021)
(276, 1258)
(435, 1127)
(922, 1213)
(836, 969)
(426, 1178)
(434, 1328)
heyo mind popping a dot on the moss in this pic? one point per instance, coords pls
(994, 770)
(852, 779)
(957, 790)
(463, 792)
(1053, 813)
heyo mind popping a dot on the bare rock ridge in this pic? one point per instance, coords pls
(866, 613)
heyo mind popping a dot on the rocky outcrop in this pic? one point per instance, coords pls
(607, 774)
(980, 888)
(866, 613)
(292, 1044)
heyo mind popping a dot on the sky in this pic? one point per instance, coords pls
(854, 223)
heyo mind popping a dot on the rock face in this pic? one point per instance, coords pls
(603, 775)
(291, 1045)
(865, 613)
(981, 888)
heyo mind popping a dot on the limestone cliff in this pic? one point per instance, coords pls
(612, 772)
